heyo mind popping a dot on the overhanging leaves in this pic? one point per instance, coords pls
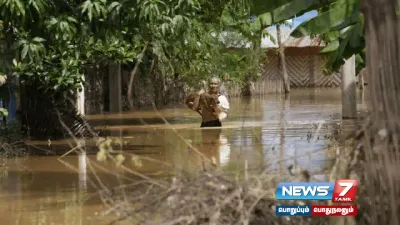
(350, 42)
(335, 19)
(297, 8)
(339, 23)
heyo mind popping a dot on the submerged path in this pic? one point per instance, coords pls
(259, 132)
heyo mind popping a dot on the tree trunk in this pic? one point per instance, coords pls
(247, 89)
(285, 76)
(115, 88)
(383, 57)
(133, 73)
(381, 139)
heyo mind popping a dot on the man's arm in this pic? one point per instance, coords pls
(194, 102)
(223, 114)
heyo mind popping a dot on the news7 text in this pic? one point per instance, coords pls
(340, 191)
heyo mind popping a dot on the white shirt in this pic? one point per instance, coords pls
(223, 102)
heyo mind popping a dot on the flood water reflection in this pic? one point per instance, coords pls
(259, 132)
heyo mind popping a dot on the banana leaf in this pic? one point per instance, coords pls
(350, 42)
(285, 12)
(297, 8)
(333, 46)
(262, 6)
(334, 19)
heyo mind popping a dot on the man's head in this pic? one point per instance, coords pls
(214, 85)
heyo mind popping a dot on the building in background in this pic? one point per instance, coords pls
(304, 64)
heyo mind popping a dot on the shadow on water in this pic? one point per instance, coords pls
(263, 131)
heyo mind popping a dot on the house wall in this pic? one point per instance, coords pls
(304, 68)
(261, 87)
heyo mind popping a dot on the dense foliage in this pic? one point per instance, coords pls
(50, 43)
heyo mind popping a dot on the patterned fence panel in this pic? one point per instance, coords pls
(299, 72)
(303, 71)
(322, 80)
(271, 68)
(260, 87)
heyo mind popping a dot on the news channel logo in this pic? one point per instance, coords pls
(338, 191)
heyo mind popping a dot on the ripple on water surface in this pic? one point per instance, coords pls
(262, 131)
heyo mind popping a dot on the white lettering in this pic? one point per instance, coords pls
(347, 185)
(304, 191)
(287, 191)
(311, 190)
(298, 190)
(335, 210)
(294, 210)
(323, 190)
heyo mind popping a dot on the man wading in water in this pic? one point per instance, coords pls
(213, 107)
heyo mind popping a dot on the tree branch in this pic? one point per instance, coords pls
(132, 77)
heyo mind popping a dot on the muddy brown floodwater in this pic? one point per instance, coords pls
(259, 132)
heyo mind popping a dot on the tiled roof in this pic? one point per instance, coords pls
(305, 41)
(267, 43)
(289, 41)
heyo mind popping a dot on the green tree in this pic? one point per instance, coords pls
(52, 42)
(50, 45)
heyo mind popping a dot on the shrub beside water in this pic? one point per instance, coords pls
(12, 140)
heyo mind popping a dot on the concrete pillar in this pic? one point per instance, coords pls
(82, 171)
(361, 81)
(115, 91)
(80, 101)
(349, 104)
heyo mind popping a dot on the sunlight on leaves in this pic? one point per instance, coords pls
(119, 160)
(3, 79)
(101, 155)
(136, 161)
(3, 112)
